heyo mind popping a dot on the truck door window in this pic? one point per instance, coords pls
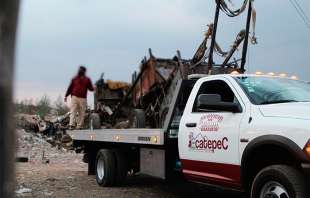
(216, 87)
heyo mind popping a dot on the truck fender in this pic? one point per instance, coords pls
(276, 140)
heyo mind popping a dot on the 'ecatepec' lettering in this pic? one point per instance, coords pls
(212, 144)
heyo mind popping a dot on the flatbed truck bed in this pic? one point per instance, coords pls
(130, 136)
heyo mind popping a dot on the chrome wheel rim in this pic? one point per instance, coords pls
(273, 190)
(100, 168)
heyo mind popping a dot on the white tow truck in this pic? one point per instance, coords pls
(244, 132)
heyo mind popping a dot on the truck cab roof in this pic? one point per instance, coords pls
(282, 76)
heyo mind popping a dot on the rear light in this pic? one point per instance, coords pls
(307, 149)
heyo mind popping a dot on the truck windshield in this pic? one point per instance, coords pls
(271, 90)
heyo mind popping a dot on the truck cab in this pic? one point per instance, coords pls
(247, 132)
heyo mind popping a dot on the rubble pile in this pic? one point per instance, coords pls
(46, 165)
(52, 129)
(28, 122)
(36, 147)
(47, 125)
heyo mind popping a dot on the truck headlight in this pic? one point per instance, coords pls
(307, 149)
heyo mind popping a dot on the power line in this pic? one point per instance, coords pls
(300, 12)
(303, 12)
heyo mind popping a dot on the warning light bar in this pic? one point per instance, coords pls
(282, 75)
(259, 73)
(294, 77)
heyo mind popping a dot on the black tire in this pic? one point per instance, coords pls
(95, 120)
(121, 167)
(137, 119)
(108, 176)
(91, 158)
(279, 177)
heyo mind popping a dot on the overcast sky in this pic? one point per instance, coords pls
(56, 36)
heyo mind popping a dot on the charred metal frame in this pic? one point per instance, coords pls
(238, 41)
(214, 31)
(246, 39)
(155, 107)
(8, 24)
(130, 91)
(245, 43)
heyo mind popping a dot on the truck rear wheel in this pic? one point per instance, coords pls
(279, 181)
(121, 167)
(95, 121)
(105, 168)
(137, 119)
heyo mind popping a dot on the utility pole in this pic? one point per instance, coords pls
(8, 23)
(216, 18)
(246, 38)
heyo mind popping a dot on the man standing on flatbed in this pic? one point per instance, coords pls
(78, 88)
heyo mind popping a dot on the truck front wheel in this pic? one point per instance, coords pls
(279, 181)
(105, 168)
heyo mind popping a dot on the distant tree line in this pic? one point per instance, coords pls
(42, 107)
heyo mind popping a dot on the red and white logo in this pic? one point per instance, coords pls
(201, 142)
(210, 122)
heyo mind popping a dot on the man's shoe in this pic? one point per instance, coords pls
(71, 127)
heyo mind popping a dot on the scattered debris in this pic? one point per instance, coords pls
(47, 126)
(28, 122)
(52, 129)
(66, 139)
(48, 165)
(21, 159)
(22, 191)
(36, 147)
(122, 125)
(48, 194)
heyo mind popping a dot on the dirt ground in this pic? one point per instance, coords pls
(57, 172)
(71, 180)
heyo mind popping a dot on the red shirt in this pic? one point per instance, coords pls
(79, 86)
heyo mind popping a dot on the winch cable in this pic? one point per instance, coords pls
(219, 50)
(232, 13)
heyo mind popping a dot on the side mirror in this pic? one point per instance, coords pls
(213, 102)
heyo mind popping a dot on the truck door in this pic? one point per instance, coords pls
(209, 140)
